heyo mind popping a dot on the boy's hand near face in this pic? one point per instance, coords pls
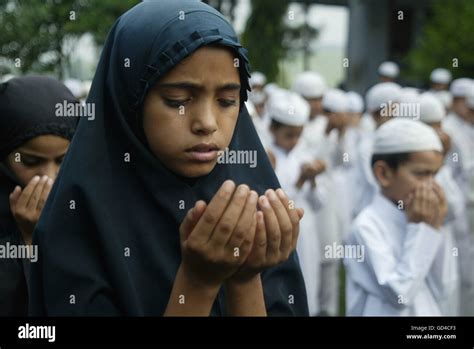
(427, 204)
(26, 205)
(309, 171)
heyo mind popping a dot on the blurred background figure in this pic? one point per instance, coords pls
(388, 72)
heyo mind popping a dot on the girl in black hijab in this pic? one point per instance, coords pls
(33, 141)
(143, 218)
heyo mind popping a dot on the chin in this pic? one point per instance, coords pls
(197, 170)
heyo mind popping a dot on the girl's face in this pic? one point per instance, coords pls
(39, 156)
(190, 114)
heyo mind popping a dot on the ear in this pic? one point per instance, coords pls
(383, 173)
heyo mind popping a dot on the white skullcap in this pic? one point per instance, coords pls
(444, 97)
(431, 109)
(86, 87)
(382, 93)
(459, 87)
(289, 108)
(75, 86)
(257, 79)
(441, 76)
(355, 103)
(335, 101)
(6, 77)
(389, 69)
(309, 85)
(405, 136)
(409, 95)
(270, 88)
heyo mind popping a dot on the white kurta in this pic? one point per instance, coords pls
(363, 180)
(461, 160)
(397, 277)
(330, 148)
(455, 250)
(288, 170)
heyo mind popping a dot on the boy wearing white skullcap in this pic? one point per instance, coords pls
(297, 171)
(311, 86)
(257, 96)
(388, 71)
(400, 232)
(381, 103)
(256, 105)
(459, 124)
(456, 267)
(355, 109)
(440, 79)
(329, 145)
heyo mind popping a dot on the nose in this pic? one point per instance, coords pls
(50, 169)
(204, 120)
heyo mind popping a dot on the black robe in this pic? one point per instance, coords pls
(27, 110)
(108, 239)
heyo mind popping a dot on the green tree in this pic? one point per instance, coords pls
(226, 7)
(39, 35)
(447, 40)
(263, 36)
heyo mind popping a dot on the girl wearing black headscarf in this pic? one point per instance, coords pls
(143, 218)
(33, 141)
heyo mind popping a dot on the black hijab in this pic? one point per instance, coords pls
(108, 237)
(27, 110)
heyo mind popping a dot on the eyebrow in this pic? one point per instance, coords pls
(193, 86)
(27, 153)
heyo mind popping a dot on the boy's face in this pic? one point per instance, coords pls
(39, 156)
(191, 113)
(421, 167)
(338, 121)
(286, 137)
(459, 107)
(316, 105)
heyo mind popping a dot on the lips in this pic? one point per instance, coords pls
(203, 152)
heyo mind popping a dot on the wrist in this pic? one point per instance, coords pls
(190, 280)
(238, 283)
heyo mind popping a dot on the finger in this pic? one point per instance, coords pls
(284, 222)
(214, 211)
(409, 200)
(417, 197)
(434, 205)
(272, 228)
(35, 195)
(427, 201)
(247, 217)
(191, 219)
(259, 248)
(293, 217)
(14, 196)
(300, 212)
(439, 192)
(248, 242)
(27, 191)
(44, 194)
(227, 223)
